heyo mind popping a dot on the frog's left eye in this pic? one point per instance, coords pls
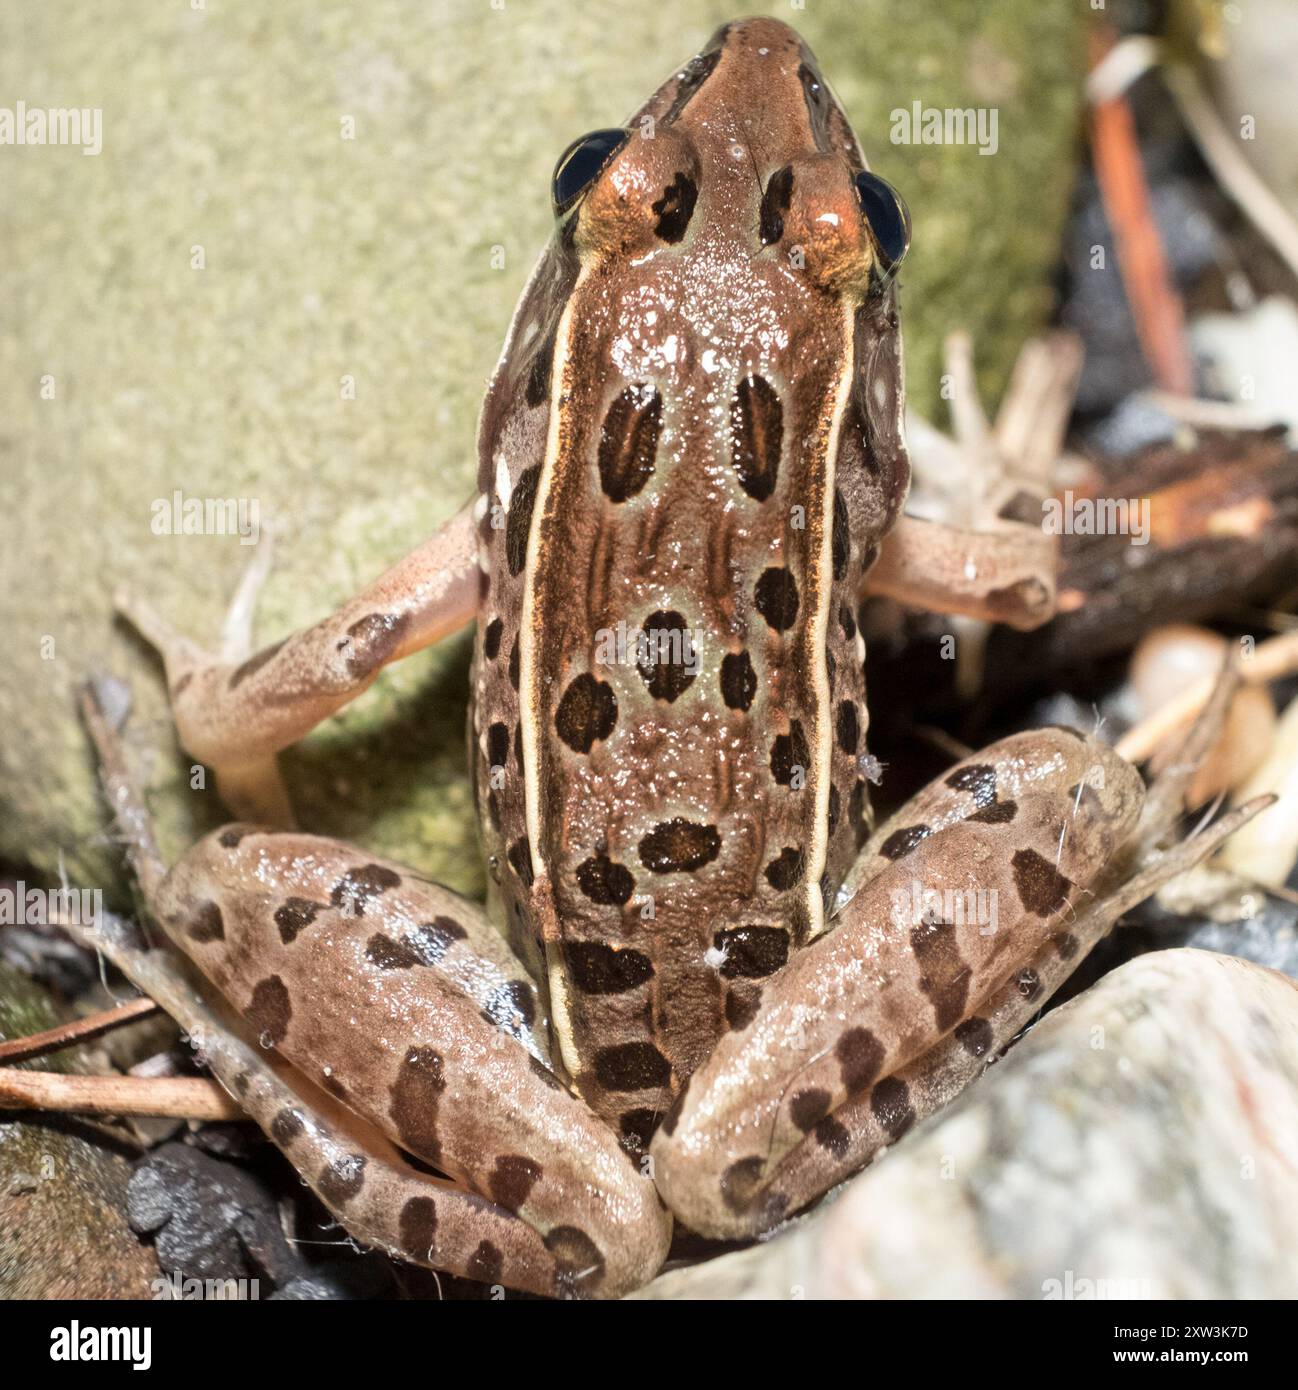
(888, 217)
(581, 164)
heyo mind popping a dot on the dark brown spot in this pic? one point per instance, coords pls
(600, 969)
(890, 1105)
(997, 813)
(634, 1066)
(776, 597)
(514, 662)
(433, 939)
(901, 842)
(293, 916)
(785, 869)
(285, 1127)
(587, 712)
(975, 1036)
(335, 1087)
(520, 859)
(752, 953)
(518, 523)
(491, 639)
(512, 1180)
(206, 924)
(944, 977)
(832, 1135)
(679, 846)
(841, 537)
(353, 892)
(738, 680)
(848, 725)
(604, 881)
(847, 622)
(757, 437)
(668, 665)
(511, 1007)
(978, 778)
(537, 390)
(342, 1180)
(628, 442)
(790, 756)
(675, 208)
(741, 1182)
(485, 1264)
(497, 745)
(387, 954)
(775, 203)
(1041, 887)
(637, 1128)
(856, 808)
(581, 1266)
(1065, 943)
(254, 664)
(860, 1055)
(269, 1011)
(416, 1094)
(373, 639)
(231, 836)
(741, 1008)
(808, 1108)
(417, 1227)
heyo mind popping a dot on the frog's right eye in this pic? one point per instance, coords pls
(889, 219)
(581, 164)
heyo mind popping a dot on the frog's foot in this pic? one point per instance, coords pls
(996, 882)
(235, 711)
(974, 544)
(396, 997)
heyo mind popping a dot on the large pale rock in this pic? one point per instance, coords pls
(392, 259)
(1142, 1141)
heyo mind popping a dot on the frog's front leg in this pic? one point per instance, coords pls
(235, 715)
(979, 909)
(399, 1000)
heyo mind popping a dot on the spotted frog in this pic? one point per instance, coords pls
(690, 455)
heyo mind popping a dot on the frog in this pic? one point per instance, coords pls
(705, 988)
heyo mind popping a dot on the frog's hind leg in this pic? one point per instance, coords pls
(991, 886)
(235, 710)
(398, 1000)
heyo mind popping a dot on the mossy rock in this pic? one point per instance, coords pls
(63, 1226)
(391, 259)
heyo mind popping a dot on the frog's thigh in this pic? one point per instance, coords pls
(234, 717)
(1005, 574)
(883, 1017)
(400, 1000)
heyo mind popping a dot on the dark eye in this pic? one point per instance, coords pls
(580, 165)
(888, 218)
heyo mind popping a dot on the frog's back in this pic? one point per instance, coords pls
(689, 450)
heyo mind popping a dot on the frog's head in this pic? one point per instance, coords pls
(744, 148)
